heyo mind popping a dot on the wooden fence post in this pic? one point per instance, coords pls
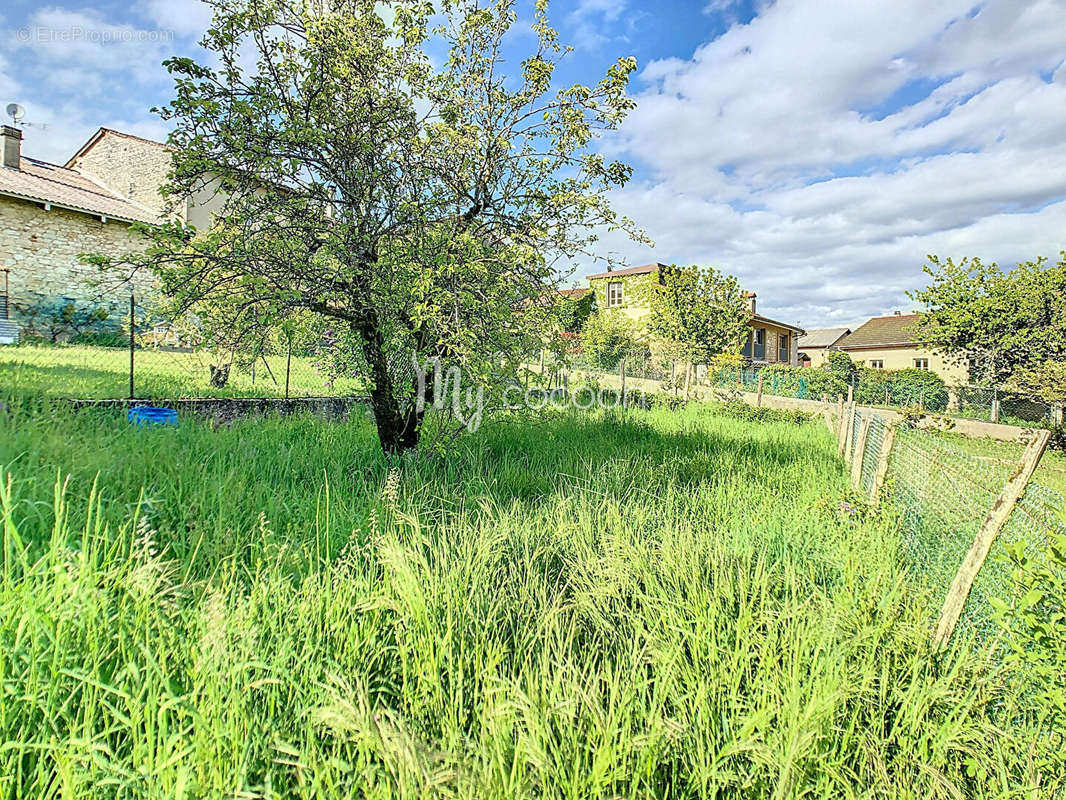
(622, 379)
(849, 430)
(860, 453)
(882, 464)
(995, 409)
(673, 375)
(758, 396)
(982, 543)
(840, 423)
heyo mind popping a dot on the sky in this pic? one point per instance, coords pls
(818, 150)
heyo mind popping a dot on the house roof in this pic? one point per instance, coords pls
(795, 328)
(574, 294)
(41, 182)
(822, 337)
(621, 273)
(101, 133)
(891, 331)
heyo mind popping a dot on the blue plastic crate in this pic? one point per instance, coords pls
(146, 416)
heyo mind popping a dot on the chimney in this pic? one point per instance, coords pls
(898, 313)
(751, 300)
(12, 146)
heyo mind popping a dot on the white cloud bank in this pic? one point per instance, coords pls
(805, 152)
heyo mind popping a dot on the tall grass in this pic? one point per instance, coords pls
(670, 607)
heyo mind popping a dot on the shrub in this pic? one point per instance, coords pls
(608, 337)
(919, 387)
(1034, 624)
(785, 380)
(56, 319)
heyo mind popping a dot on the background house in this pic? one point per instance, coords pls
(49, 214)
(769, 342)
(814, 344)
(890, 343)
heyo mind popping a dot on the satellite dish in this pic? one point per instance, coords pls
(16, 112)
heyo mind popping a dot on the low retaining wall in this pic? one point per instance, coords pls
(224, 409)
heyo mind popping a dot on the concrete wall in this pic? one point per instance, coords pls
(41, 249)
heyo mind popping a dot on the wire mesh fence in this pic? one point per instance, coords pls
(76, 350)
(943, 495)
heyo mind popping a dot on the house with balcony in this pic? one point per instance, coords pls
(769, 341)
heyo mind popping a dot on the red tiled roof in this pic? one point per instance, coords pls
(41, 182)
(576, 294)
(883, 332)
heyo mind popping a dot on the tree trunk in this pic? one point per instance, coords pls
(219, 375)
(398, 429)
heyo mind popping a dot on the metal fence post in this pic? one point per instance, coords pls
(133, 323)
(288, 367)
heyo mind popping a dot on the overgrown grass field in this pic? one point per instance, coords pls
(677, 605)
(85, 372)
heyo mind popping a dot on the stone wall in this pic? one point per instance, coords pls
(40, 248)
(135, 168)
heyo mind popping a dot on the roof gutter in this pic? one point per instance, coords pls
(50, 204)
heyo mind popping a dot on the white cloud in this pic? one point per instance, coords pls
(769, 152)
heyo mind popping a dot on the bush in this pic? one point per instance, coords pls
(919, 387)
(1034, 624)
(785, 380)
(741, 410)
(54, 320)
(608, 337)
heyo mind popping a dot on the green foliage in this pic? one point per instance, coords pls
(995, 321)
(608, 337)
(1045, 381)
(675, 606)
(389, 175)
(1034, 624)
(574, 312)
(902, 387)
(697, 312)
(54, 319)
(738, 409)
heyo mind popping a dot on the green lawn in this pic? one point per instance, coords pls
(100, 373)
(1051, 472)
(675, 606)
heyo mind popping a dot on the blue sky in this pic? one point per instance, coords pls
(818, 150)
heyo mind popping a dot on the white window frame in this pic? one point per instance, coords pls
(785, 339)
(921, 363)
(877, 363)
(615, 298)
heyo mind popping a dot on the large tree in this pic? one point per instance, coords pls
(381, 169)
(697, 312)
(992, 321)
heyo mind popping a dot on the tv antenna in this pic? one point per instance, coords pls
(17, 113)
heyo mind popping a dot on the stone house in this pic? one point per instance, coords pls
(769, 342)
(50, 213)
(891, 343)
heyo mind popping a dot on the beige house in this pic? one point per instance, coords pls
(814, 344)
(890, 343)
(49, 214)
(769, 342)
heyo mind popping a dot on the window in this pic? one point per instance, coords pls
(759, 349)
(921, 363)
(877, 363)
(760, 336)
(782, 347)
(614, 293)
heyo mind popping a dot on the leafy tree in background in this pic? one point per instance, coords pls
(411, 204)
(697, 312)
(1046, 382)
(991, 321)
(608, 337)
